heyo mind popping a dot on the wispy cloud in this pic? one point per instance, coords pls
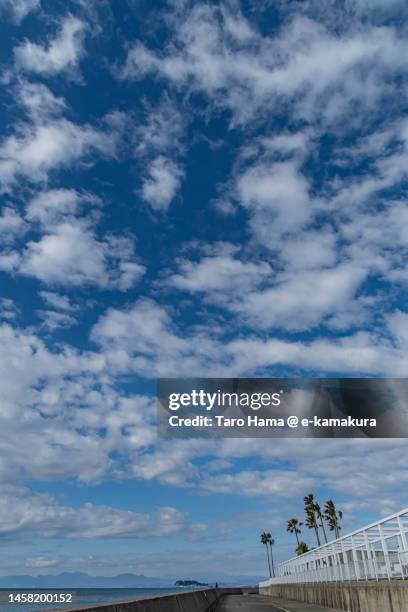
(61, 53)
(18, 9)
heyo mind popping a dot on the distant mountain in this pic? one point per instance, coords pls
(80, 580)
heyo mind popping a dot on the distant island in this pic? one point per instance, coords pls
(188, 583)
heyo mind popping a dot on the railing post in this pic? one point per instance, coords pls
(369, 555)
(403, 535)
(327, 563)
(339, 571)
(355, 558)
(385, 551)
(345, 561)
(364, 557)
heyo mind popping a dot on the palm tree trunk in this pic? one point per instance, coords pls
(273, 565)
(269, 563)
(317, 536)
(324, 530)
(297, 538)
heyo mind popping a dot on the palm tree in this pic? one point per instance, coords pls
(333, 516)
(265, 540)
(302, 548)
(319, 514)
(271, 543)
(294, 527)
(311, 521)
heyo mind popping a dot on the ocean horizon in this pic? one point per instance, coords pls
(82, 596)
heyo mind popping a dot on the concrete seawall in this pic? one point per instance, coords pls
(384, 596)
(190, 601)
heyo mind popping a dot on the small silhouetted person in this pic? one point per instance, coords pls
(216, 585)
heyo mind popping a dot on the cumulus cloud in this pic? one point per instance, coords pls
(277, 198)
(145, 339)
(70, 254)
(54, 205)
(46, 141)
(162, 183)
(40, 514)
(38, 149)
(144, 330)
(304, 295)
(219, 273)
(316, 182)
(61, 53)
(304, 63)
(60, 414)
(159, 149)
(75, 424)
(67, 250)
(39, 101)
(302, 300)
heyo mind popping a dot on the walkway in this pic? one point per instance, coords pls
(260, 603)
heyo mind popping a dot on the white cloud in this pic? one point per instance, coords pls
(55, 205)
(67, 250)
(220, 273)
(260, 483)
(70, 254)
(144, 339)
(38, 149)
(321, 72)
(8, 309)
(52, 320)
(310, 250)
(39, 101)
(40, 562)
(9, 261)
(61, 53)
(146, 329)
(161, 130)
(397, 323)
(302, 300)
(11, 225)
(22, 511)
(360, 353)
(55, 406)
(304, 295)
(162, 183)
(378, 239)
(158, 147)
(60, 302)
(277, 197)
(18, 9)
(304, 268)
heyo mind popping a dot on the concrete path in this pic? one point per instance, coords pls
(260, 603)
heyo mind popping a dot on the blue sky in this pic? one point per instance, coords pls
(192, 189)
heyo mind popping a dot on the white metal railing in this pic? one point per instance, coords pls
(376, 552)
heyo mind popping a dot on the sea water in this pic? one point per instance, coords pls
(81, 597)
